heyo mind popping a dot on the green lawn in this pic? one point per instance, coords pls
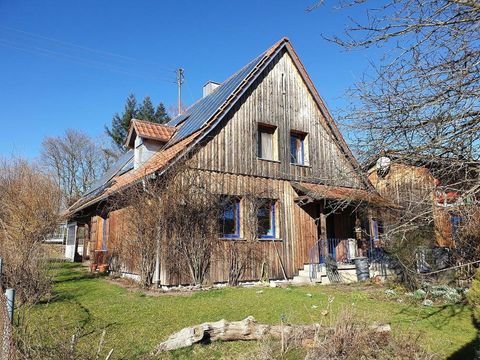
(135, 322)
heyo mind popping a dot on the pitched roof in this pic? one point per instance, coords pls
(206, 113)
(203, 116)
(125, 179)
(122, 165)
(149, 130)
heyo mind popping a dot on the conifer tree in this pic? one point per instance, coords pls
(145, 111)
(161, 115)
(121, 122)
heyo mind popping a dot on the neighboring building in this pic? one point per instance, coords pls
(427, 189)
(266, 127)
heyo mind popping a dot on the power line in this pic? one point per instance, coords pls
(89, 49)
(88, 62)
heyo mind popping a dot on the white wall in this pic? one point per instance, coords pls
(144, 150)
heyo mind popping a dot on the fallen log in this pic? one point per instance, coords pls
(247, 329)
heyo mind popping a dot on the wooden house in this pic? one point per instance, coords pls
(430, 189)
(266, 127)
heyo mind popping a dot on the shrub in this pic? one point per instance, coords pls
(30, 203)
(353, 339)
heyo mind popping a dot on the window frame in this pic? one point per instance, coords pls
(302, 137)
(236, 202)
(272, 203)
(377, 229)
(272, 130)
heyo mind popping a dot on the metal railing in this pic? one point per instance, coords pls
(338, 251)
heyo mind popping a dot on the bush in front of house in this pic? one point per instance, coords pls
(30, 203)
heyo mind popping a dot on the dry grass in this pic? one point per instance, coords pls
(352, 339)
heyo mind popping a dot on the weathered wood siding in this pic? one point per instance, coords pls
(228, 161)
(280, 98)
(405, 185)
(412, 187)
(296, 232)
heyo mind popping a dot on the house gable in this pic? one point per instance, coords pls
(273, 89)
(281, 98)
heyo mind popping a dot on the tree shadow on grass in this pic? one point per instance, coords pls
(467, 351)
(439, 316)
(64, 278)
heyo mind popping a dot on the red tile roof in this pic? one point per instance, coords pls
(149, 130)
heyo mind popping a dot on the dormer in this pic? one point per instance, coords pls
(147, 138)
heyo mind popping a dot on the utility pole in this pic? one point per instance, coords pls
(180, 78)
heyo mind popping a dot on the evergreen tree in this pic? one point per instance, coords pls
(161, 115)
(146, 111)
(121, 122)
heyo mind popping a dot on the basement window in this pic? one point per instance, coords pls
(298, 148)
(230, 217)
(267, 142)
(266, 219)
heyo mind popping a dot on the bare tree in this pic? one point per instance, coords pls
(423, 98)
(76, 160)
(192, 218)
(172, 217)
(420, 101)
(29, 211)
(242, 254)
(141, 241)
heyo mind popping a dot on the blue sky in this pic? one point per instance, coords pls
(71, 64)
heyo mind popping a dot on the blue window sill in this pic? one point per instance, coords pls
(230, 237)
(243, 239)
(272, 238)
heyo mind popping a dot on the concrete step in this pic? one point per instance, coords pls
(307, 273)
(305, 280)
(318, 267)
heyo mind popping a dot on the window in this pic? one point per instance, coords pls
(104, 234)
(298, 147)
(266, 219)
(377, 230)
(230, 217)
(456, 221)
(267, 142)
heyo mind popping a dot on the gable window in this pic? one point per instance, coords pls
(298, 148)
(266, 219)
(229, 221)
(267, 142)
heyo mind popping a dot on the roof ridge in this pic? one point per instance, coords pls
(151, 122)
(257, 58)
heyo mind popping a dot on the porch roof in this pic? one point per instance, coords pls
(320, 192)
